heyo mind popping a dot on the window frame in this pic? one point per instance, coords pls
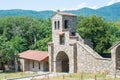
(62, 39)
(58, 24)
(33, 64)
(55, 24)
(66, 24)
(39, 65)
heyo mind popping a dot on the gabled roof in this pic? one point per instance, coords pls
(115, 45)
(34, 55)
(64, 14)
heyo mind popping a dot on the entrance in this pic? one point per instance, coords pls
(62, 62)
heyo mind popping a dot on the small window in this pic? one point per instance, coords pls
(55, 24)
(62, 39)
(39, 65)
(58, 24)
(33, 64)
(66, 24)
(73, 33)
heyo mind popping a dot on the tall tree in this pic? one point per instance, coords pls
(96, 29)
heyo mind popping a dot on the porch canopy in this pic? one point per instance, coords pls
(34, 55)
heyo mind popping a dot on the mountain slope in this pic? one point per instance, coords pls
(19, 12)
(111, 12)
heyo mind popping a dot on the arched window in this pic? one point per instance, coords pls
(58, 24)
(66, 24)
(55, 24)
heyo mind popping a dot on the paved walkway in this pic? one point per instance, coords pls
(40, 75)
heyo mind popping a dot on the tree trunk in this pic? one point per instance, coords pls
(3, 66)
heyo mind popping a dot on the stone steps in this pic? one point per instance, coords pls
(85, 46)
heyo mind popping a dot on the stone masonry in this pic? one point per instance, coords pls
(69, 53)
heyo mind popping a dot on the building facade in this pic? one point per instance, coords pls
(33, 60)
(68, 52)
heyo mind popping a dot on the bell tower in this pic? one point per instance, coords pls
(62, 50)
(62, 22)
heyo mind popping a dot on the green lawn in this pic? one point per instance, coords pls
(81, 76)
(101, 76)
(6, 75)
(78, 76)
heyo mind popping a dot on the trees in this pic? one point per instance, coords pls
(114, 30)
(96, 29)
(18, 34)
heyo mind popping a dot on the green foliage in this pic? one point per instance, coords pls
(40, 44)
(96, 29)
(114, 30)
(18, 34)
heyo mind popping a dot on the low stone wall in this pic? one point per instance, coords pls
(90, 61)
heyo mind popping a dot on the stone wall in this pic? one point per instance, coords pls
(91, 61)
(27, 65)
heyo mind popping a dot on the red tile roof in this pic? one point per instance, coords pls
(66, 14)
(34, 55)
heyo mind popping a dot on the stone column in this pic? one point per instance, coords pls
(73, 58)
(51, 54)
(113, 55)
(22, 66)
(42, 66)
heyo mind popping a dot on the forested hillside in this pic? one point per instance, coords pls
(109, 13)
(30, 13)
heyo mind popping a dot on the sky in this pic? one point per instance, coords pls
(40, 5)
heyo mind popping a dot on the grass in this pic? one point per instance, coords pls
(80, 76)
(6, 75)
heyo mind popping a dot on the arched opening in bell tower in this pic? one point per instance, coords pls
(66, 24)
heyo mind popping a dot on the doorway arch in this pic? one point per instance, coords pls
(62, 62)
(118, 58)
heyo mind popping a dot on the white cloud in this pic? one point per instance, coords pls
(81, 5)
(94, 7)
(64, 9)
(112, 2)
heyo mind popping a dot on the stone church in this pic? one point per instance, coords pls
(68, 52)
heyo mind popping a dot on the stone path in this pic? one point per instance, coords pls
(43, 75)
